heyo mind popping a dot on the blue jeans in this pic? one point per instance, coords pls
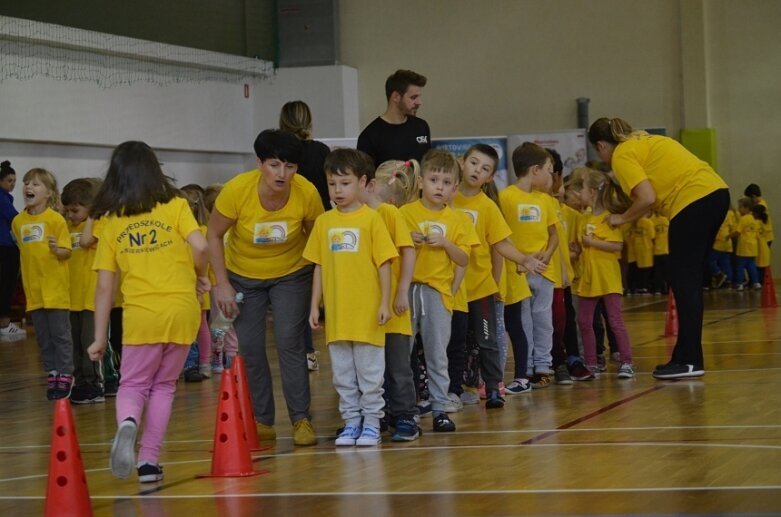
(749, 264)
(719, 262)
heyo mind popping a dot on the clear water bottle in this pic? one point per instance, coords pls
(221, 324)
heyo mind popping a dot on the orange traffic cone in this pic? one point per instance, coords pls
(231, 456)
(245, 404)
(671, 319)
(66, 491)
(768, 290)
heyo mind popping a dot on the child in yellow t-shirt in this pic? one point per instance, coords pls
(390, 186)
(601, 278)
(764, 235)
(442, 241)
(721, 254)
(661, 252)
(197, 366)
(77, 199)
(533, 227)
(643, 236)
(44, 249)
(479, 165)
(151, 240)
(748, 246)
(352, 252)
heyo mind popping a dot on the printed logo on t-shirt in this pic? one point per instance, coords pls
(422, 139)
(75, 240)
(344, 239)
(429, 227)
(272, 232)
(33, 232)
(471, 213)
(529, 213)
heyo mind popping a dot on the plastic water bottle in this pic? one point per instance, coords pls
(221, 324)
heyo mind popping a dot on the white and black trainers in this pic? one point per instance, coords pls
(123, 449)
(673, 370)
(12, 332)
(149, 472)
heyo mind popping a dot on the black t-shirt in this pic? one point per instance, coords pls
(310, 166)
(384, 141)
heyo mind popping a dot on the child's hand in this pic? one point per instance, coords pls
(96, 351)
(401, 303)
(52, 244)
(418, 238)
(541, 256)
(314, 318)
(588, 241)
(436, 240)
(574, 249)
(383, 315)
(203, 285)
(534, 265)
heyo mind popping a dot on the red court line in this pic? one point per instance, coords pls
(591, 415)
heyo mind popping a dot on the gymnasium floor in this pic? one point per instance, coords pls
(700, 447)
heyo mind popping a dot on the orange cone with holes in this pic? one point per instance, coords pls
(671, 319)
(231, 454)
(245, 404)
(768, 290)
(66, 491)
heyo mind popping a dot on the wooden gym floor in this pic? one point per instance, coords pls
(640, 446)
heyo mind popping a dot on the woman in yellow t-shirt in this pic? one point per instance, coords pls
(659, 172)
(269, 211)
(152, 241)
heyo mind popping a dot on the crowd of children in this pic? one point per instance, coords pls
(429, 250)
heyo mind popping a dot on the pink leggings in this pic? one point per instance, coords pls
(204, 341)
(586, 309)
(148, 378)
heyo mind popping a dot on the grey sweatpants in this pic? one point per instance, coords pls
(537, 317)
(431, 319)
(289, 297)
(53, 330)
(358, 370)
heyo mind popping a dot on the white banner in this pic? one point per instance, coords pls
(569, 143)
(458, 146)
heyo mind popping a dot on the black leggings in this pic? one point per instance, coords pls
(9, 277)
(692, 232)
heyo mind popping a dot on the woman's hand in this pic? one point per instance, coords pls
(615, 220)
(225, 296)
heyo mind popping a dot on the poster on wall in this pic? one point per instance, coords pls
(336, 143)
(458, 147)
(569, 143)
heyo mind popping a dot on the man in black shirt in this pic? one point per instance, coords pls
(398, 134)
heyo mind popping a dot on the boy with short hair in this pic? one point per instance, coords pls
(77, 197)
(351, 250)
(533, 227)
(442, 241)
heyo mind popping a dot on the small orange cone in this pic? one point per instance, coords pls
(231, 456)
(768, 290)
(66, 491)
(245, 404)
(671, 319)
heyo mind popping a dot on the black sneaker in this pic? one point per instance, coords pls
(110, 388)
(149, 472)
(192, 375)
(63, 386)
(443, 424)
(493, 400)
(406, 430)
(678, 371)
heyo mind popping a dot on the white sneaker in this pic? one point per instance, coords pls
(456, 401)
(450, 406)
(626, 371)
(349, 435)
(123, 450)
(206, 371)
(12, 333)
(370, 436)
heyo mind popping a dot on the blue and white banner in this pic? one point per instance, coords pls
(569, 143)
(458, 146)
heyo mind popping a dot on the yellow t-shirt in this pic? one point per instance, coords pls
(83, 279)
(433, 266)
(263, 244)
(627, 232)
(461, 296)
(45, 278)
(528, 214)
(677, 176)
(350, 247)
(748, 243)
(151, 253)
(763, 250)
(516, 285)
(491, 228)
(723, 240)
(643, 235)
(661, 229)
(397, 228)
(205, 300)
(601, 270)
(560, 264)
(769, 234)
